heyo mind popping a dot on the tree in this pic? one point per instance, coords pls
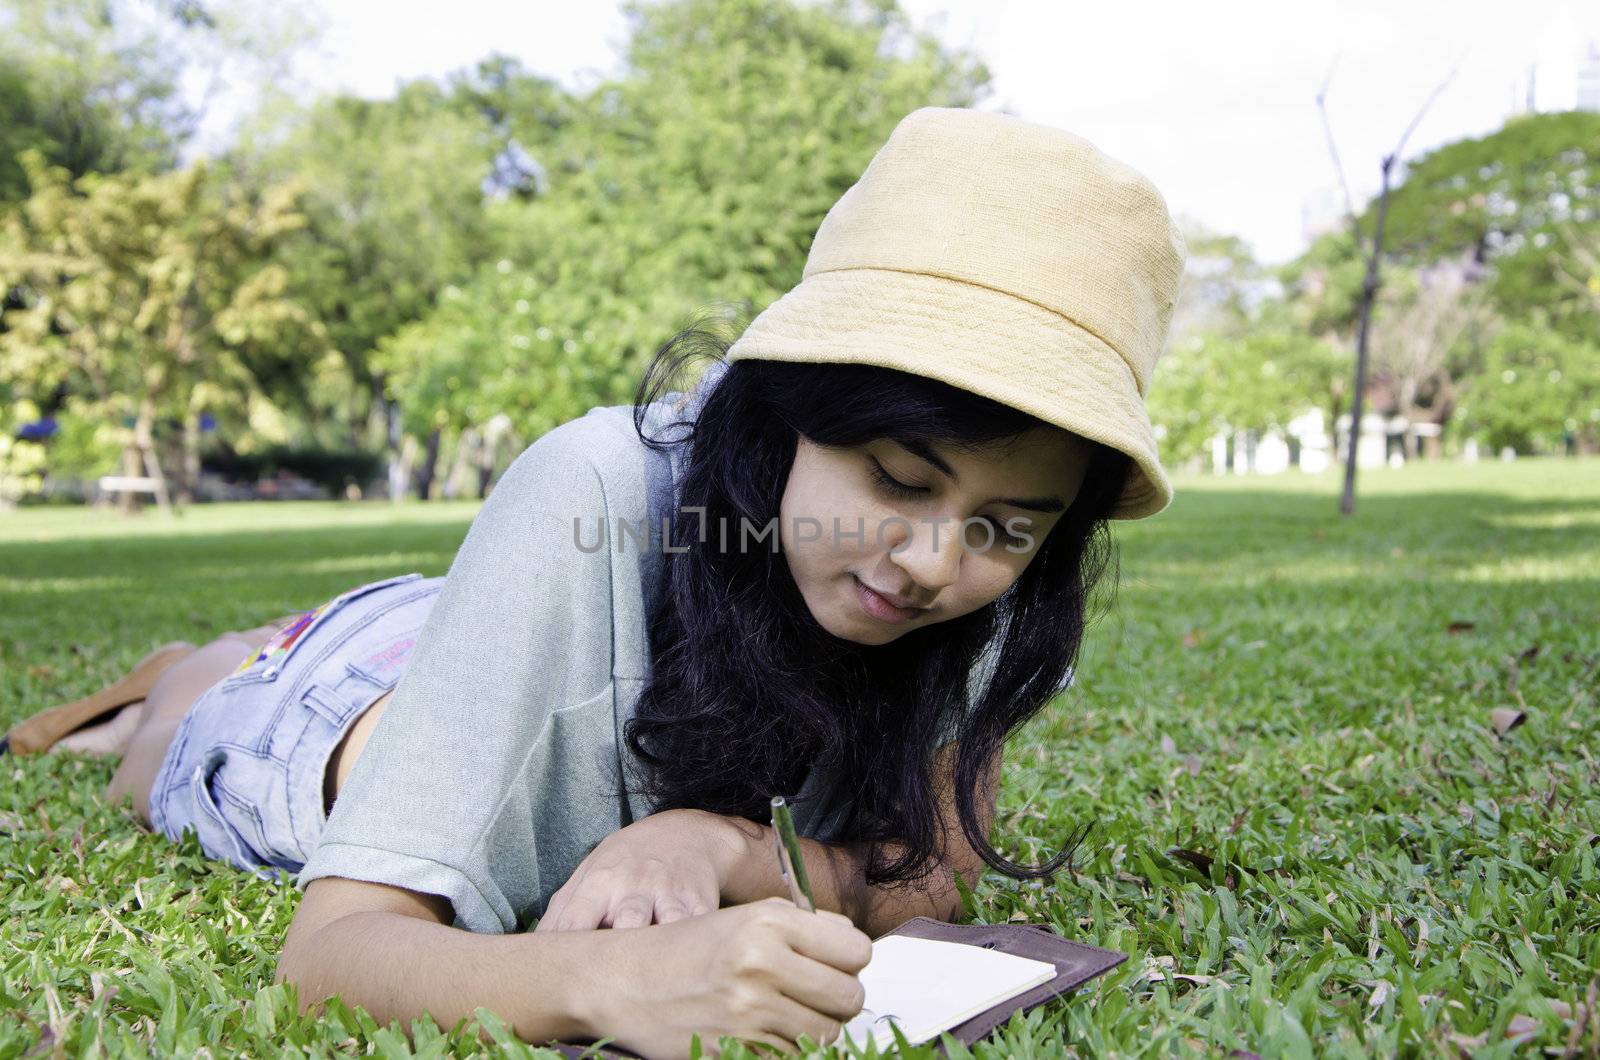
(141, 296)
(1537, 390)
(1430, 323)
(1258, 381)
(1579, 271)
(394, 208)
(697, 176)
(1223, 284)
(98, 86)
(1500, 201)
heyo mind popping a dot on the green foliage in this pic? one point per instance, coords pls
(1324, 285)
(1299, 702)
(1499, 198)
(98, 86)
(1259, 380)
(143, 297)
(1222, 286)
(484, 351)
(394, 212)
(667, 190)
(1536, 388)
(89, 89)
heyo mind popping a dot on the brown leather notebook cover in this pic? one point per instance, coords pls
(1076, 963)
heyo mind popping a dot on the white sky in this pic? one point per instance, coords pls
(1213, 101)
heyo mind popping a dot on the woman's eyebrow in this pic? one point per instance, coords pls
(1047, 505)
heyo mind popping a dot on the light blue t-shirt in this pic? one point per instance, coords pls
(493, 771)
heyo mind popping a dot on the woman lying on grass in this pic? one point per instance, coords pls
(860, 565)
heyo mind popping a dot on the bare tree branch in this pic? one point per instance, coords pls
(1333, 149)
(1369, 287)
(1400, 147)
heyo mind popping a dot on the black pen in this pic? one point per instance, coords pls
(790, 863)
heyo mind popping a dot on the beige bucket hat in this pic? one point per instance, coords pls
(1013, 260)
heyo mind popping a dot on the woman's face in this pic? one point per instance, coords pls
(960, 534)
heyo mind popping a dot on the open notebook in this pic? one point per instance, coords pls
(927, 986)
(933, 985)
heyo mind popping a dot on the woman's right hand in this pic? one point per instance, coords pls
(767, 971)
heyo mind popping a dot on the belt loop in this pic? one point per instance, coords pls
(332, 707)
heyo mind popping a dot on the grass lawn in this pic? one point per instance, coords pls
(1311, 839)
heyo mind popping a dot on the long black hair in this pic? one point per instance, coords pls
(747, 691)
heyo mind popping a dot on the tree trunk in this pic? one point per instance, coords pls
(468, 442)
(393, 439)
(132, 467)
(400, 471)
(494, 433)
(430, 463)
(144, 441)
(189, 481)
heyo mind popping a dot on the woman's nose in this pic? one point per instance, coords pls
(930, 554)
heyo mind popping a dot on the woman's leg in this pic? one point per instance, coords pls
(41, 731)
(103, 739)
(166, 704)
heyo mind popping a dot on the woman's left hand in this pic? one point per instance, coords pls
(668, 866)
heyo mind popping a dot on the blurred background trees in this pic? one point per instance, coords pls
(396, 294)
(1491, 269)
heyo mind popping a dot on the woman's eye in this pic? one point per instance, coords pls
(893, 485)
(1004, 537)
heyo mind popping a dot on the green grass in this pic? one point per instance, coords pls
(1373, 870)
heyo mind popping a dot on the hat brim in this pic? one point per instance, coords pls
(982, 340)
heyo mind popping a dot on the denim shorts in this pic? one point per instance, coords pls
(245, 767)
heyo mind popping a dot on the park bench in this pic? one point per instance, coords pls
(120, 484)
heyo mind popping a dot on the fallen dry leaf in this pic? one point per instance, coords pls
(1161, 967)
(1504, 719)
(1521, 1025)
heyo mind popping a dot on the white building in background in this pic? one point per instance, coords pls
(1306, 445)
(1315, 448)
(1589, 79)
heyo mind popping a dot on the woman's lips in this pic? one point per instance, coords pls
(881, 609)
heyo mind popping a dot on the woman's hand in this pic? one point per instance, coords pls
(767, 971)
(665, 867)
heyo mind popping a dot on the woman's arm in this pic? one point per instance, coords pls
(764, 971)
(393, 952)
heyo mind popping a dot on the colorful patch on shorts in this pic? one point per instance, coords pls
(285, 638)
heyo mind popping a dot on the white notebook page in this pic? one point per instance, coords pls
(927, 986)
